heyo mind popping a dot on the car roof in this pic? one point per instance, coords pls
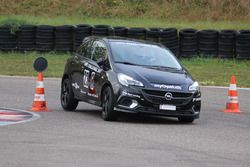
(109, 39)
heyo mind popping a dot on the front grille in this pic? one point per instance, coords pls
(162, 93)
(158, 97)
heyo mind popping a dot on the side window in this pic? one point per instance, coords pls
(84, 49)
(99, 51)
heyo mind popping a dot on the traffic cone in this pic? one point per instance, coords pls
(39, 104)
(232, 105)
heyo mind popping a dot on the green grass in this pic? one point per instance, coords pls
(20, 64)
(128, 22)
(206, 70)
(213, 71)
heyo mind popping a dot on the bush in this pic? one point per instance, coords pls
(14, 24)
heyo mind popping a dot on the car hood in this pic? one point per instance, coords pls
(157, 78)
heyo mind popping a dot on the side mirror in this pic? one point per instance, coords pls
(103, 63)
(100, 61)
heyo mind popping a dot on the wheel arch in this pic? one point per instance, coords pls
(64, 77)
(70, 103)
(103, 87)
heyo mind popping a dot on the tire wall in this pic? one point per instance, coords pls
(186, 43)
(8, 40)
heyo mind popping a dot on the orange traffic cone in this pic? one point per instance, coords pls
(39, 103)
(232, 105)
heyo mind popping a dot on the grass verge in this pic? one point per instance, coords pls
(20, 64)
(207, 71)
(213, 71)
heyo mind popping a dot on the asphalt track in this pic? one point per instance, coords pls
(82, 138)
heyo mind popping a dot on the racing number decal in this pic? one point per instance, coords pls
(91, 83)
(86, 78)
(88, 81)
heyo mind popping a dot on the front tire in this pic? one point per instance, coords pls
(68, 102)
(108, 113)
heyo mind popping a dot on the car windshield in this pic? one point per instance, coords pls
(143, 54)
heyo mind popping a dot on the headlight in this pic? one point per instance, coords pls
(194, 86)
(127, 80)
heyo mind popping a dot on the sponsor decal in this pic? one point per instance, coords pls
(92, 67)
(83, 92)
(13, 116)
(93, 95)
(86, 78)
(163, 86)
(75, 85)
(125, 93)
(92, 84)
(88, 81)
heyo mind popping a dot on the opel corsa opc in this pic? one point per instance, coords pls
(127, 75)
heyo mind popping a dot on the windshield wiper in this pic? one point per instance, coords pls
(127, 63)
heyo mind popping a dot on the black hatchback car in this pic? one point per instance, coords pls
(127, 75)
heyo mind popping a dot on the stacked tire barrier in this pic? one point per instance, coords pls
(120, 31)
(27, 38)
(8, 41)
(208, 43)
(243, 44)
(188, 42)
(102, 30)
(226, 44)
(153, 34)
(169, 38)
(64, 38)
(44, 38)
(80, 32)
(185, 43)
(136, 33)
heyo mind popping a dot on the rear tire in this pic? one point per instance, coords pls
(108, 113)
(68, 102)
(186, 119)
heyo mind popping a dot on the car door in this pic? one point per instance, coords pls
(94, 75)
(82, 55)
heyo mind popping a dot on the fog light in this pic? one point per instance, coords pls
(133, 104)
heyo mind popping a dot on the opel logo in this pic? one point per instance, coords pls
(168, 96)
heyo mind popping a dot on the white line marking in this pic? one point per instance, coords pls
(35, 116)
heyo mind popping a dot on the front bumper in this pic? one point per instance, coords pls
(148, 101)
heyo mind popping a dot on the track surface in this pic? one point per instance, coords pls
(82, 138)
